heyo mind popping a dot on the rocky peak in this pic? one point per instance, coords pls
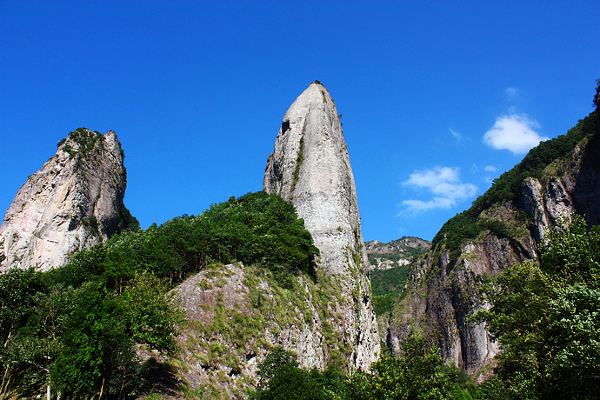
(310, 167)
(74, 201)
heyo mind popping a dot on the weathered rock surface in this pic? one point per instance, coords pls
(74, 201)
(443, 290)
(310, 167)
(235, 315)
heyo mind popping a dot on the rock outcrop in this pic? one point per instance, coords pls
(74, 201)
(310, 167)
(236, 314)
(443, 290)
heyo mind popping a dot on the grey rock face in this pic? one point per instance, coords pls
(533, 204)
(310, 168)
(546, 205)
(221, 315)
(74, 201)
(558, 200)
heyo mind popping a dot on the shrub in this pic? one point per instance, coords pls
(77, 328)
(546, 318)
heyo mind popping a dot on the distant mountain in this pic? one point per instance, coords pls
(396, 253)
(390, 266)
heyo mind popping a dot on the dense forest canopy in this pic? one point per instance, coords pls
(78, 328)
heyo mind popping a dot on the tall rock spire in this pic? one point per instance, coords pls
(74, 201)
(310, 168)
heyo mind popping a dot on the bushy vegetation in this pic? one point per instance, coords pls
(85, 139)
(79, 328)
(546, 316)
(255, 229)
(417, 374)
(387, 286)
(80, 340)
(467, 225)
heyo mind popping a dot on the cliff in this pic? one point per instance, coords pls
(503, 227)
(310, 167)
(73, 202)
(235, 314)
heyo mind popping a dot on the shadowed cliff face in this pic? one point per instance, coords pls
(73, 202)
(310, 168)
(443, 291)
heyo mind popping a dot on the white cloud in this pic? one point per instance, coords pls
(513, 132)
(490, 168)
(456, 134)
(511, 92)
(443, 183)
(419, 206)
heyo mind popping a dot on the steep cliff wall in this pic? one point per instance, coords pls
(310, 167)
(504, 226)
(74, 201)
(236, 314)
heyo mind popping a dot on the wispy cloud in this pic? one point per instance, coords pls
(419, 206)
(513, 132)
(490, 168)
(511, 93)
(443, 184)
(456, 134)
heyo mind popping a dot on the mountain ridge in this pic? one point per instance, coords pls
(503, 227)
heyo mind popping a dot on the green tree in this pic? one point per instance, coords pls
(547, 318)
(280, 378)
(81, 328)
(417, 374)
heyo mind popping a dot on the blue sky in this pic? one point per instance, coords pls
(437, 97)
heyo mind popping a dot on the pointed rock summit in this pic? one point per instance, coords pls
(73, 202)
(310, 167)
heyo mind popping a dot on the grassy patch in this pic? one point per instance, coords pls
(387, 286)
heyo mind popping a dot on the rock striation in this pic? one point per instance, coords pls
(73, 202)
(310, 167)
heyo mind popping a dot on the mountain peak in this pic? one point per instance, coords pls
(310, 168)
(74, 201)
